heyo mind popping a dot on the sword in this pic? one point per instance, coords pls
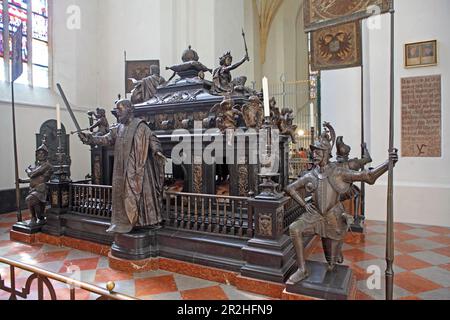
(66, 102)
(245, 43)
(74, 132)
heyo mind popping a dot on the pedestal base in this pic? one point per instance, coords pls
(322, 284)
(26, 238)
(137, 245)
(27, 227)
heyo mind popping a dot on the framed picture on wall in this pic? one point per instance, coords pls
(421, 54)
(137, 70)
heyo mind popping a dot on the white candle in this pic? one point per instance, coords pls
(266, 97)
(312, 114)
(58, 116)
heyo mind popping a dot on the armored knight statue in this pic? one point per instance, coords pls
(145, 89)
(222, 79)
(326, 216)
(343, 160)
(138, 174)
(101, 122)
(343, 156)
(38, 175)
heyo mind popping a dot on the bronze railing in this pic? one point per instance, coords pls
(210, 213)
(92, 200)
(43, 278)
(297, 166)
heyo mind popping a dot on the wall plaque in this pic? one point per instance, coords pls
(421, 117)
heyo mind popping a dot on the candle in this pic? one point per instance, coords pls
(58, 116)
(266, 97)
(312, 115)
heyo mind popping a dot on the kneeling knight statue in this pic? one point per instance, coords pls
(38, 175)
(325, 215)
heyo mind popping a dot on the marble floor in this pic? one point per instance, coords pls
(422, 268)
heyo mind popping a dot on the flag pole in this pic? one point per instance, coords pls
(390, 196)
(16, 164)
(17, 70)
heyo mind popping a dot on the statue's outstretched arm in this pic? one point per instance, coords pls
(372, 175)
(367, 158)
(95, 125)
(108, 139)
(359, 164)
(237, 65)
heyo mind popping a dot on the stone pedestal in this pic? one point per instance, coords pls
(27, 227)
(269, 255)
(60, 201)
(137, 245)
(323, 284)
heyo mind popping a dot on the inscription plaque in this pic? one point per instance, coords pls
(421, 117)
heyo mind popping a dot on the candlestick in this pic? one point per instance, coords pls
(58, 116)
(266, 97)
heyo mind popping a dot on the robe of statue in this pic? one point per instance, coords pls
(149, 86)
(138, 176)
(222, 80)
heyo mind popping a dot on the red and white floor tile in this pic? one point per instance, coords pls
(422, 268)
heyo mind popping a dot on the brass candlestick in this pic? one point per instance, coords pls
(268, 187)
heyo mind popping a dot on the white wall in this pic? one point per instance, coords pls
(132, 26)
(422, 185)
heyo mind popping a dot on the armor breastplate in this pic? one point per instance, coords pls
(325, 196)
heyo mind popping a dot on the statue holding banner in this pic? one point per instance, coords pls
(38, 175)
(325, 215)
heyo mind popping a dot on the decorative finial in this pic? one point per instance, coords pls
(110, 286)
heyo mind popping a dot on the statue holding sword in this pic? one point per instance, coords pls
(138, 174)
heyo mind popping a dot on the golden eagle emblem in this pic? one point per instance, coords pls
(335, 47)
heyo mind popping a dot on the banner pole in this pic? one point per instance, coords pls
(16, 164)
(390, 195)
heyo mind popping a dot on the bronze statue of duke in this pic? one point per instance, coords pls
(138, 175)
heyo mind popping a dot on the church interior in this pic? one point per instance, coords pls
(224, 150)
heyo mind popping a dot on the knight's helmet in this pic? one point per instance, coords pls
(43, 146)
(323, 143)
(342, 150)
(326, 140)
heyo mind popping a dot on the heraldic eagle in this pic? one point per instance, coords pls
(335, 47)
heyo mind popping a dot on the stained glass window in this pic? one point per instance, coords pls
(18, 12)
